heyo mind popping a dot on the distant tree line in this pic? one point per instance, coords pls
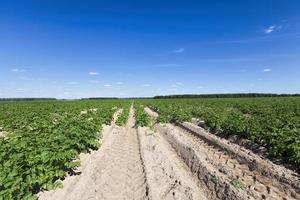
(138, 98)
(99, 98)
(27, 99)
(232, 95)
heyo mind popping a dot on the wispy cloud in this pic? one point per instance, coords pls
(266, 38)
(16, 70)
(178, 83)
(200, 87)
(272, 28)
(93, 73)
(146, 85)
(269, 29)
(107, 85)
(180, 50)
(267, 70)
(119, 83)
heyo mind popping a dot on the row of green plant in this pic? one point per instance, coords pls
(123, 117)
(141, 117)
(44, 140)
(270, 122)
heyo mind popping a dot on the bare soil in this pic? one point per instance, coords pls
(168, 176)
(115, 171)
(228, 170)
(173, 161)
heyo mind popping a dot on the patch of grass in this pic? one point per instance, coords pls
(236, 183)
(215, 179)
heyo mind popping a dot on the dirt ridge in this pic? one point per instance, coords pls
(285, 178)
(216, 183)
(167, 175)
(224, 173)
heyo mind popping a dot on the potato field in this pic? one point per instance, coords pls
(212, 148)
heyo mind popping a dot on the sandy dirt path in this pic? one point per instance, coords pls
(115, 171)
(168, 177)
(132, 163)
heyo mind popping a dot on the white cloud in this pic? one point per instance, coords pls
(93, 73)
(272, 28)
(267, 70)
(180, 50)
(178, 83)
(119, 83)
(107, 85)
(146, 85)
(93, 81)
(16, 70)
(200, 87)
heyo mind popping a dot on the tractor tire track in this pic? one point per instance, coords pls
(168, 177)
(115, 171)
(224, 175)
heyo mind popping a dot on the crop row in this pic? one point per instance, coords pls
(141, 117)
(44, 140)
(271, 122)
(123, 117)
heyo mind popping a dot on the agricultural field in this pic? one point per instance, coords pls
(149, 100)
(41, 141)
(273, 123)
(213, 148)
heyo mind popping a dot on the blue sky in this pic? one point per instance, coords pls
(73, 49)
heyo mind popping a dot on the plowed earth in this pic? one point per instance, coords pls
(173, 161)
